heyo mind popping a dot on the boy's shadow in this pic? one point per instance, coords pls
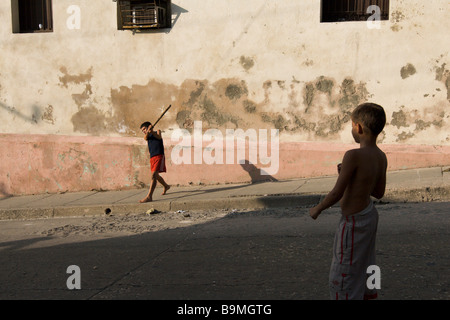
(255, 173)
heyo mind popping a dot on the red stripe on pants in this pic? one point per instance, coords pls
(342, 242)
(353, 236)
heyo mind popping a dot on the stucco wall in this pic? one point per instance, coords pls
(234, 64)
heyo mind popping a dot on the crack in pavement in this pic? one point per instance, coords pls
(152, 260)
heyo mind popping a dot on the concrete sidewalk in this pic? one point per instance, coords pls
(428, 184)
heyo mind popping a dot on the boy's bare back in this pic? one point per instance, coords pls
(363, 171)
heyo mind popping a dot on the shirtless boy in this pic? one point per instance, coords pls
(157, 159)
(362, 174)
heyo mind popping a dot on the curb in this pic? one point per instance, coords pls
(257, 202)
(426, 194)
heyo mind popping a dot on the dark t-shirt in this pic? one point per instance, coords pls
(155, 146)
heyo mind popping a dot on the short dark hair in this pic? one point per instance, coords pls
(145, 124)
(370, 115)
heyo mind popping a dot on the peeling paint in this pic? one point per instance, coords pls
(326, 118)
(48, 115)
(396, 17)
(417, 121)
(80, 99)
(246, 62)
(407, 71)
(249, 106)
(324, 85)
(76, 79)
(443, 75)
(399, 119)
(226, 104)
(352, 94)
(183, 119)
(323, 113)
(132, 106)
(235, 91)
(90, 120)
(309, 94)
(404, 136)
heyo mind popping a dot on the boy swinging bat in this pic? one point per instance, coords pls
(157, 158)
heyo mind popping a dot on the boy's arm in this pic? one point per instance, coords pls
(157, 134)
(148, 132)
(347, 169)
(380, 188)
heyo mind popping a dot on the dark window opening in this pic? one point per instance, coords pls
(352, 10)
(32, 16)
(144, 14)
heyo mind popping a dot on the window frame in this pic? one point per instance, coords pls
(26, 13)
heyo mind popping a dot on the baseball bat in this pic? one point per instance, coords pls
(160, 117)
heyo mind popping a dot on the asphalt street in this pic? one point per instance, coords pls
(251, 254)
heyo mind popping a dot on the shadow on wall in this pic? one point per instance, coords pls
(35, 116)
(255, 173)
(177, 11)
(3, 192)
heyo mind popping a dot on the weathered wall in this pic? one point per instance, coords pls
(249, 65)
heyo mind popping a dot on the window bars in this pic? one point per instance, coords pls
(352, 10)
(143, 14)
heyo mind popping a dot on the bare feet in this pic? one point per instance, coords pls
(146, 199)
(165, 190)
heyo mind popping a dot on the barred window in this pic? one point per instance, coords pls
(32, 16)
(352, 10)
(144, 14)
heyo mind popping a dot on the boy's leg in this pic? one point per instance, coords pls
(165, 185)
(157, 164)
(341, 273)
(353, 251)
(160, 164)
(149, 196)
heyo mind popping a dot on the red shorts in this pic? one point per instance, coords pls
(158, 163)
